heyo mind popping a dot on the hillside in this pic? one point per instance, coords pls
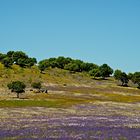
(65, 87)
(75, 107)
(76, 104)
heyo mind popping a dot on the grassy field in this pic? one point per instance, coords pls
(75, 107)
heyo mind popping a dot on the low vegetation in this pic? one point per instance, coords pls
(36, 85)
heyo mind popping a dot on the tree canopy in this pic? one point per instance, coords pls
(66, 63)
(121, 76)
(105, 71)
(136, 78)
(17, 57)
(17, 86)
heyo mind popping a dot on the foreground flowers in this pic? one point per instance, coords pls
(79, 122)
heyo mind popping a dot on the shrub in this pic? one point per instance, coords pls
(36, 85)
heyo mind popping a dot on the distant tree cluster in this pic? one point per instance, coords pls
(17, 57)
(102, 71)
(67, 64)
(135, 78)
(125, 78)
(76, 66)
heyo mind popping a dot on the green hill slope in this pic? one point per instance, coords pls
(64, 88)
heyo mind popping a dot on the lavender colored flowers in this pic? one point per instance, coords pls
(61, 124)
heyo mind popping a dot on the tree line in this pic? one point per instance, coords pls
(17, 57)
(74, 65)
(125, 78)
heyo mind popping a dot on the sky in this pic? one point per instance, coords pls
(97, 31)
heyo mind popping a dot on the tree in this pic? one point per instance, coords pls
(29, 62)
(7, 62)
(17, 86)
(42, 65)
(36, 85)
(117, 74)
(62, 61)
(95, 73)
(19, 55)
(21, 62)
(72, 67)
(136, 78)
(89, 66)
(121, 76)
(2, 56)
(130, 76)
(124, 79)
(10, 54)
(105, 71)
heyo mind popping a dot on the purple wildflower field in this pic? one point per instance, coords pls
(105, 121)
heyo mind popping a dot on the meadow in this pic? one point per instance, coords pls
(76, 107)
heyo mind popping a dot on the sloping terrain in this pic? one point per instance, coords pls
(76, 107)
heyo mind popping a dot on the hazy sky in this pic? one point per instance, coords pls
(98, 31)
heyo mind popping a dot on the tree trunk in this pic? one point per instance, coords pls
(17, 95)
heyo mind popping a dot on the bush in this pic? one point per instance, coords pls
(36, 85)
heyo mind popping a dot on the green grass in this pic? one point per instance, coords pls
(104, 96)
(39, 103)
(30, 103)
(64, 101)
(43, 101)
